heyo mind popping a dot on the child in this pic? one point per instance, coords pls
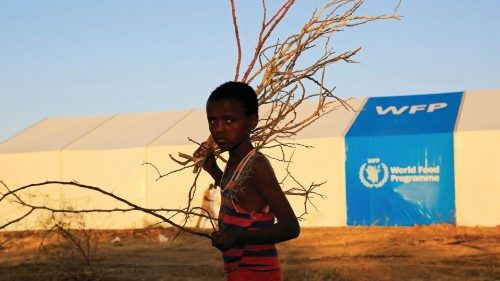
(251, 195)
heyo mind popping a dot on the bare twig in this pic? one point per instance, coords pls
(238, 43)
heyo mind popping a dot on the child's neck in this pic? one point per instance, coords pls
(241, 150)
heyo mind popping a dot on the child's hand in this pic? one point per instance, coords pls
(224, 240)
(209, 164)
(206, 152)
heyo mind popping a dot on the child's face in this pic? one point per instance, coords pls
(228, 123)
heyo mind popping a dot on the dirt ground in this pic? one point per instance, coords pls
(439, 252)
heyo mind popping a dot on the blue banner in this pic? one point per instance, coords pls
(399, 167)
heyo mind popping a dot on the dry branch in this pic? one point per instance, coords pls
(131, 206)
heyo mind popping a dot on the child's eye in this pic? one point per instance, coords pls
(229, 120)
(211, 121)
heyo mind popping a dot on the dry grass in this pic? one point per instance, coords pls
(438, 252)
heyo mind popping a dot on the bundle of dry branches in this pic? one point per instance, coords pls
(283, 83)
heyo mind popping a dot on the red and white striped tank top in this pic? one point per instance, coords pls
(233, 217)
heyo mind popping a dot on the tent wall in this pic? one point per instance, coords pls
(33, 156)
(323, 163)
(326, 156)
(111, 157)
(118, 171)
(399, 168)
(172, 191)
(477, 154)
(20, 169)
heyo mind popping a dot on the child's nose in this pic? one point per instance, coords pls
(219, 127)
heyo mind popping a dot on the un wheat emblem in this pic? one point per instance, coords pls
(369, 175)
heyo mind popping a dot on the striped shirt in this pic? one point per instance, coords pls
(233, 217)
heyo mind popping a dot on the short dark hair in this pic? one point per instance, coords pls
(241, 92)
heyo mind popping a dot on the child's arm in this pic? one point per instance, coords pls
(287, 226)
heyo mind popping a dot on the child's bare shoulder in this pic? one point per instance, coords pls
(261, 165)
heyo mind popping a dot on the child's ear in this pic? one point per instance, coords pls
(254, 119)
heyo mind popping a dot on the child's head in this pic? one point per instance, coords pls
(237, 91)
(232, 113)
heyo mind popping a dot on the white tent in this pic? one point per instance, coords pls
(108, 152)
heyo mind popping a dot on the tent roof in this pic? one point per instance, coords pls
(52, 134)
(128, 130)
(193, 125)
(478, 112)
(334, 123)
(147, 129)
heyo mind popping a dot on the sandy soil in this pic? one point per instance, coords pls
(356, 253)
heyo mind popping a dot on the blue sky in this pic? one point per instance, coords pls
(89, 57)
